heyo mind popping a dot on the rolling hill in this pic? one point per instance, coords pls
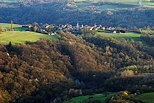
(97, 66)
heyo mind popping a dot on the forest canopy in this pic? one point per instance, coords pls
(49, 69)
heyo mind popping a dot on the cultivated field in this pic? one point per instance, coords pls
(22, 36)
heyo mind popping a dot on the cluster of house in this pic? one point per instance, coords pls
(52, 28)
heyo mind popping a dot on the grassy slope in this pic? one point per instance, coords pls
(100, 97)
(146, 97)
(127, 35)
(22, 36)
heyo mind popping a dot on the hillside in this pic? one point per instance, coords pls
(76, 51)
(146, 3)
(19, 34)
(127, 35)
(50, 70)
(60, 13)
(22, 37)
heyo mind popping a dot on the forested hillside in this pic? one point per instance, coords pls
(109, 14)
(76, 51)
(55, 70)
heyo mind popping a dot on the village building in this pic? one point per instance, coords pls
(114, 31)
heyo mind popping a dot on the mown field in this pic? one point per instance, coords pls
(146, 97)
(22, 36)
(90, 98)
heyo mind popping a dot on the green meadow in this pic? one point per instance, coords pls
(22, 36)
(146, 97)
(90, 98)
(127, 35)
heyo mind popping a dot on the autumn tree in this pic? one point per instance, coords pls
(34, 27)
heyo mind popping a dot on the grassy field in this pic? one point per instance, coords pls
(22, 36)
(146, 97)
(103, 98)
(127, 35)
(6, 26)
(115, 4)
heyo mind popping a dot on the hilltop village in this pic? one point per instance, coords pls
(75, 29)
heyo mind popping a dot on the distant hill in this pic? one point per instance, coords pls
(108, 13)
